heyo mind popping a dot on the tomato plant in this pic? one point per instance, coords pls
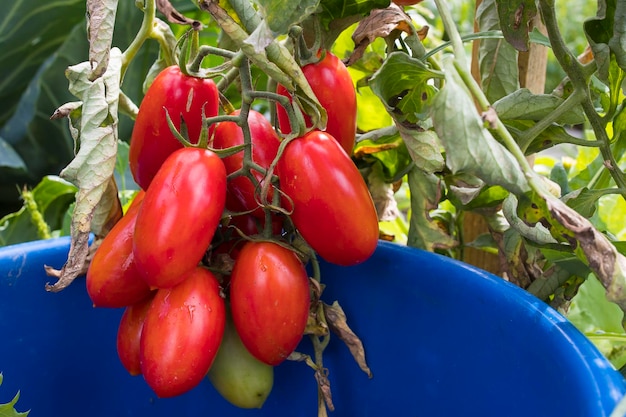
(243, 194)
(113, 278)
(184, 98)
(269, 295)
(332, 85)
(129, 335)
(179, 215)
(455, 146)
(332, 207)
(181, 334)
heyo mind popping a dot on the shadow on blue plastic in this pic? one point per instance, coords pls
(442, 339)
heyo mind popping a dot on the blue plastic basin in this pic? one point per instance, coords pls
(442, 339)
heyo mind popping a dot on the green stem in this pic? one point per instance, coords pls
(145, 31)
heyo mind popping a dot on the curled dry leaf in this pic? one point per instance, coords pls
(100, 23)
(323, 384)
(379, 24)
(174, 16)
(604, 260)
(338, 323)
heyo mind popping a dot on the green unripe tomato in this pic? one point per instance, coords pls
(239, 377)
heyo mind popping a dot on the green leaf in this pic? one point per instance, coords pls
(594, 315)
(469, 146)
(389, 150)
(8, 409)
(497, 58)
(524, 105)
(53, 196)
(402, 85)
(549, 137)
(425, 233)
(515, 18)
(9, 159)
(280, 15)
(30, 31)
(606, 34)
(424, 148)
(585, 201)
(336, 10)
(45, 145)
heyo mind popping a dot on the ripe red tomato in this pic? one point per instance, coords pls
(265, 142)
(113, 279)
(152, 140)
(332, 85)
(332, 207)
(182, 333)
(129, 335)
(269, 296)
(179, 215)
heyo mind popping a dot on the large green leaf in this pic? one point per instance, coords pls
(497, 58)
(45, 145)
(469, 146)
(30, 31)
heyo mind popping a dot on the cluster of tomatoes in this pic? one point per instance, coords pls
(185, 317)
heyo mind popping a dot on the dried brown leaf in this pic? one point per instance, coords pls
(338, 323)
(323, 384)
(379, 24)
(174, 16)
(74, 269)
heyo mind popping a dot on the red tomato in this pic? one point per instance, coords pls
(113, 279)
(129, 335)
(179, 215)
(265, 142)
(332, 207)
(152, 140)
(269, 296)
(181, 334)
(332, 85)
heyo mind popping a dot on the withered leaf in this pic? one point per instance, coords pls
(323, 384)
(173, 15)
(338, 323)
(379, 24)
